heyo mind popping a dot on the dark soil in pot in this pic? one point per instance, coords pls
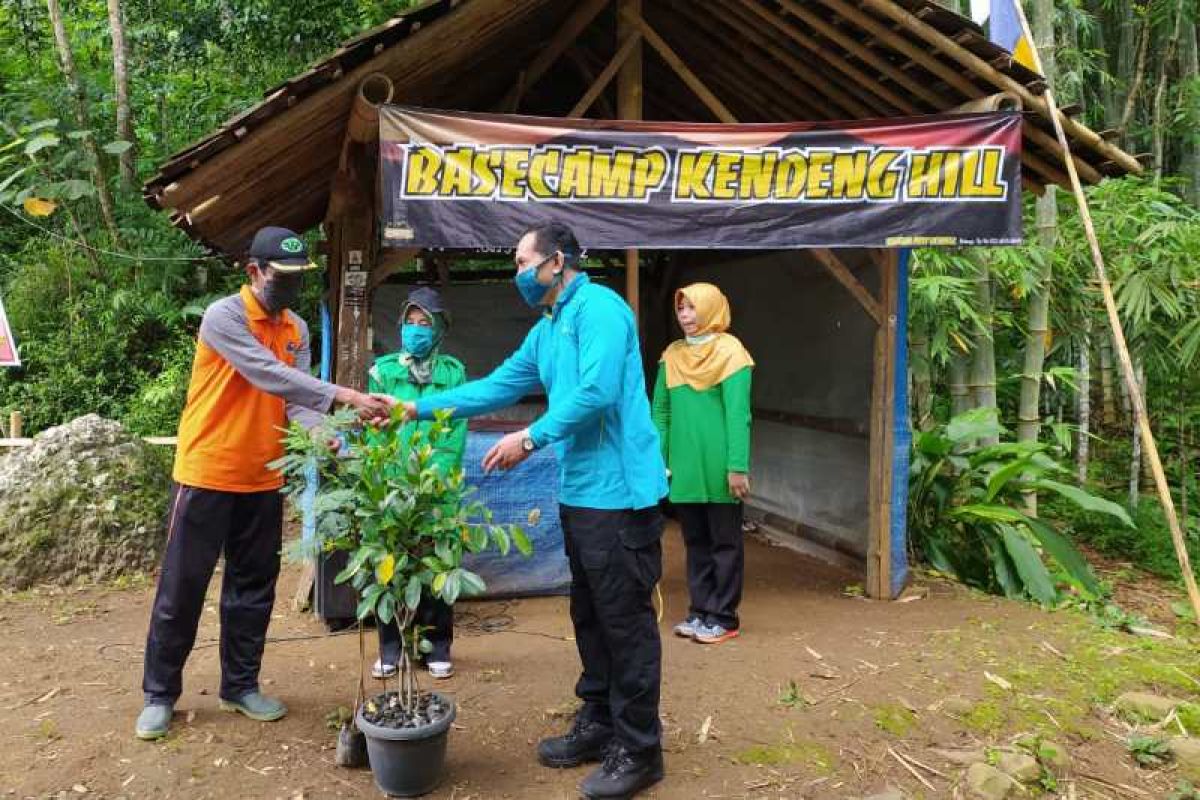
(407, 751)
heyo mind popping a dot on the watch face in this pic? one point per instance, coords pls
(527, 443)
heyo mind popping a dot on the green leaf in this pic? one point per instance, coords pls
(472, 584)
(41, 124)
(1086, 500)
(387, 608)
(521, 540)
(500, 537)
(1005, 572)
(1029, 566)
(1067, 556)
(354, 565)
(992, 512)
(439, 582)
(40, 143)
(412, 593)
(978, 423)
(1000, 478)
(118, 147)
(452, 588)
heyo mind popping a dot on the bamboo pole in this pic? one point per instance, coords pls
(15, 425)
(1118, 332)
(630, 106)
(879, 512)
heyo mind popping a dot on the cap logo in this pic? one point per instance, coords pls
(291, 245)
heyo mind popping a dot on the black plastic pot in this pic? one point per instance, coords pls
(408, 762)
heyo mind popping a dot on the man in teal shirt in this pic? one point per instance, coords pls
(585, 353)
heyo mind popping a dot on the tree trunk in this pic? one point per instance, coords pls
(1135, 83)
(960, 392)
(121, 80)
(1160, 93)
(1135, 458)
(66, 62)
(1083, 409)
(921, 378)
(983, 368)
(1190, 64)
(1108, 392)
(1028, 413)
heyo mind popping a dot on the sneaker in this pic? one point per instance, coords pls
(715, 634)
(256, 706)
(687, 628)
(586, 741)
(622, 774)
(154, 722)
(381, 670)
(440, 670)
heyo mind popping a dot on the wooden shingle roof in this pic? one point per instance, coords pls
(766, 60)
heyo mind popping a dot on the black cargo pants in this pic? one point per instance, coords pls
(203, 524)
(616, 559)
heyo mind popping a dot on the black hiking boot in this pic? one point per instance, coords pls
(623, 774)
(587, 740)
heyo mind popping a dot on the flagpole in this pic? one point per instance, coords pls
(1118, 332)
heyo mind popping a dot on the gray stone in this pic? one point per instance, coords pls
(1024, 768)
(1186, 753)
(1054, 755)
(85, 502)
(1145, 707)
(985, 782)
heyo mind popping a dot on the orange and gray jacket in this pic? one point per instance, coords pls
(249, 378)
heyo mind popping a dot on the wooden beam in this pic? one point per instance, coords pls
(631, 105)
(846, 278)
(581, 60)
(606, 75)
(858, 79)
(550, 51)
(778, 47)
(883, 388)
(977, 66)
(681, 69)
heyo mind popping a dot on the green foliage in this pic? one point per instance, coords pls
(403, 523)
(1149, 751)
(966, 515)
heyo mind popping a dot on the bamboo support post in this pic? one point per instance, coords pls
(15, 425)
(1136, 397)
(630, 106)
(883, 389)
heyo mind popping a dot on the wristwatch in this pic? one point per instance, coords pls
(527, 444)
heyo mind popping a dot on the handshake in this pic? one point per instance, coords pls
(372, 408)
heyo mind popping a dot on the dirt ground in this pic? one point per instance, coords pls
(819, 698)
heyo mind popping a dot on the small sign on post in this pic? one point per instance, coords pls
(8, 345)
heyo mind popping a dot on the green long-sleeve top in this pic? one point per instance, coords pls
(389, 375)
(705, 436)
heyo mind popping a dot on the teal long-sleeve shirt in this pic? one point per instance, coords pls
(586, 355)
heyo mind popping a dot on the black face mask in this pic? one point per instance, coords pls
(281, 291)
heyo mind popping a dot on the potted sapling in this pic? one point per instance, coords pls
(404, 526)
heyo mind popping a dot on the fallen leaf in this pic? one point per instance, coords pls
(37, 207)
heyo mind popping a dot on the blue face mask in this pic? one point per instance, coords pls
(417, 340)
(530, 288)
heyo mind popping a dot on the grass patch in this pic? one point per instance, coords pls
(813, 755)
(894, 719)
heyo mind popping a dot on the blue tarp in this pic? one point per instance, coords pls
(512, 496)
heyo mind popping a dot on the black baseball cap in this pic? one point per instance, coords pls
(281, 249)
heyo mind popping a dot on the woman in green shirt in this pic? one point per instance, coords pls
(702, 411)
(419, 369)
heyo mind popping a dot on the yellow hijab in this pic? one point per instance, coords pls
(712, 355)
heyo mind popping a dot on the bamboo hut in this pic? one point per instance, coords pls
(827, 327)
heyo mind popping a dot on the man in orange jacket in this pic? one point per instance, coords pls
(249, 378)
